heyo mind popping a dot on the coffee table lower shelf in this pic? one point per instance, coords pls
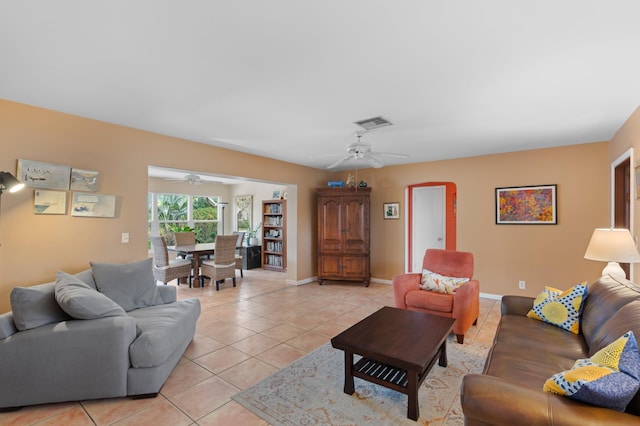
(395, 378)
(383, 374)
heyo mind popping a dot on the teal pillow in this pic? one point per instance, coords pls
(35, 306)
(610, 378)
(130, 285)
(81, 301)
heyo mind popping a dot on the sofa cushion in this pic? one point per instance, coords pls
(130, 285)
(433, 281)
(7, 326)
(81, 301)
(86, 277)
(161, 331)
(559, 308)
(35, 306)
(610, 378)
(601, 322)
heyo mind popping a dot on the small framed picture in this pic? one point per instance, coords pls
(276, 195)
(49, 202)
(391, 210)
(93, 205)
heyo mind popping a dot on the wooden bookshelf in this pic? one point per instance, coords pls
(274, 242)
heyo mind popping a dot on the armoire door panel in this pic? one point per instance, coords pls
(330, 230)
(329, 266)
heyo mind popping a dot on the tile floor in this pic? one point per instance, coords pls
(244, 334)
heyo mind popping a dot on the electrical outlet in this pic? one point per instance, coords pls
(522, 285)
(125, 237)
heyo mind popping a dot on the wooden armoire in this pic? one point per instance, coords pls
(343, 234)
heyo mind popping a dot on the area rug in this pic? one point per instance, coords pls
(310, 392)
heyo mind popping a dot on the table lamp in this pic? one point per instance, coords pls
(612, 245)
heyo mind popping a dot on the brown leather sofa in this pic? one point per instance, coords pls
(526, 352)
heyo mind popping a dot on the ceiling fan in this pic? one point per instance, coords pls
(190, 178)
(362, 151)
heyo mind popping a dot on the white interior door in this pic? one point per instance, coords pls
(427, 222)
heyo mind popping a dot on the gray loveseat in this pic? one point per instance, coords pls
(110, 331)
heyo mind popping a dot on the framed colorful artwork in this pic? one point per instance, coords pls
(391, 210)
(527, 205)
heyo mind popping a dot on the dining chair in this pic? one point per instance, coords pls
(239, 242)
(185, 239)
(223, 264)
(166, 270)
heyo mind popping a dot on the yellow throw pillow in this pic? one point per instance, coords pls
(559, 308)
(610, 378)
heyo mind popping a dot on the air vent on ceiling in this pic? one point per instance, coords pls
(373, 123)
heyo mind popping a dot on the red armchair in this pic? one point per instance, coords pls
(463, 305)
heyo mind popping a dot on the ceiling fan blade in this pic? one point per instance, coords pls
(337, 163)
(390, 155)
(375, 163)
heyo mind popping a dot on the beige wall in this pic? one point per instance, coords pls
(539, 254)
(628, 136)
(33, 247)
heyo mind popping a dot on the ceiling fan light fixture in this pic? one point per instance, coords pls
(373, 123)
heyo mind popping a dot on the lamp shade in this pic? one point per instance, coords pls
(9, 182)
(612, 245)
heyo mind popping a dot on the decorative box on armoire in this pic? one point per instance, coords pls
(343, 234)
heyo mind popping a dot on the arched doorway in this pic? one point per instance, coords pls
(431, 220)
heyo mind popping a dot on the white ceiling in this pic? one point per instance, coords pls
(287, 78)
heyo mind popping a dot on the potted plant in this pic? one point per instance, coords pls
(253, 235)
(180, 228)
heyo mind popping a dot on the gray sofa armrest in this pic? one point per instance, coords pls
(66, 361)
(516, 305)
(488, 400)
(7, 326)
(168, 293)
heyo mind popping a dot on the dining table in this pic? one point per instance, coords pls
(196, 250)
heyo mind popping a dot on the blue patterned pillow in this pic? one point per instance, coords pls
(610, 378)
(560, 308)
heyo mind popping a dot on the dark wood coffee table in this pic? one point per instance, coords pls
(398, 349)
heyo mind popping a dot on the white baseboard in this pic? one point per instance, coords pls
(387, 282)
(491, 296)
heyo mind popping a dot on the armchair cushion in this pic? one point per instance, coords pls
(81, 301)
(130, 285)
(610, 378)
(430, 300)
(433, 281)
(559, 308)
